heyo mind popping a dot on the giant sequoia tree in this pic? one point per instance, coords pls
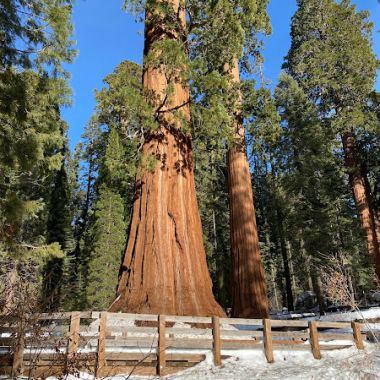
(332, 59)
(164, 268)
(229, 33)
(248, 281)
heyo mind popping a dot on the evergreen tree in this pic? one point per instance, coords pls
(119, 108)
(211, 185)
(332, 59)
(84, 173)
(34, 43)
(108, 229)
(58, 230)
(223, 33)
(313, 184)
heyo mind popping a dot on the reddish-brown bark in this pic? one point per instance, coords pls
(249, 294)
(363, 199)
(164, 269)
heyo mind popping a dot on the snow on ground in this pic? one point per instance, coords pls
(249, 364)
(348, 364)
(372, 313)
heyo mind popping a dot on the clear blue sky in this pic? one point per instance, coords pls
(106, 36)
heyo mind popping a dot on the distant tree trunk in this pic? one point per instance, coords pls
(317, 290)
(274, 286)
(220, 266)
(10, 285)
(291, 268)
(363, 199)
(285, 260)
(164, 269)
(249, 296)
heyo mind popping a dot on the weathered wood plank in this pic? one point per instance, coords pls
(139, 342)
(290, 334)
(295, 347)
(126, 356)
(333, 325)
(357, 334)
(134, 330)
(314, 342)
(287, 342)
(134, 317)
(54, 358)
(18, 355)
(139, 370)
(281, 323)
(185, 319)
(151, 357)
(101, 360)
(193, 358)
(161, 347)
(233, 344)
(216, 344)
(241, 321)
(74, 332)
(241, 334)
(268, 345)
(334, 336)
(190, 343)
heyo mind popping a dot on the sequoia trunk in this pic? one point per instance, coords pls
(249, 296)
(363, 199)
(164, 269)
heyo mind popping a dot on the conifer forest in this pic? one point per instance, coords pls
(197, 188)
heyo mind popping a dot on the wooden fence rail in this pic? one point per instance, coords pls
(107, 344)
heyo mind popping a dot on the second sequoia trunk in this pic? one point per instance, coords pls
(164, 269)
(249, 296)
(363, 199)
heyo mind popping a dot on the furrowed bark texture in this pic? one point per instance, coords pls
(249, 296)
(164, 269)
(363, 199)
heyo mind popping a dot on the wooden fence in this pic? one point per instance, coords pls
(108, 344)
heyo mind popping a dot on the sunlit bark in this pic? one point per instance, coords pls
(363, 199)
(164, 269)
(248, 286)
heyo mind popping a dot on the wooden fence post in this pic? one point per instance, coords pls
(18, 356)
(73, 343)
(101, 362)
(356, 330)
(268, 344)
(161, 354)
(314, 342)
(216, 345)
(74, 332)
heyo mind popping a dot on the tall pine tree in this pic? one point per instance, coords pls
(332, 59)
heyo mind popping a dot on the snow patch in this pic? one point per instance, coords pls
(289, 365)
